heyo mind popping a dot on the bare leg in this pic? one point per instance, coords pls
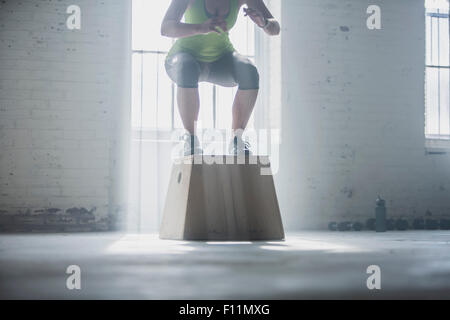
(189, 106)
(244, 102)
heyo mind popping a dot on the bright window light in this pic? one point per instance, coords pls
(437, 86)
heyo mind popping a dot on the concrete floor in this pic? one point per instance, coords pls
(307, 265)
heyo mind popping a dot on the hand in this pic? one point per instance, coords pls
(256, 16)
(212, 24)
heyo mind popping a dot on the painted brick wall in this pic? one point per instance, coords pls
(353, 114)
(62, 102)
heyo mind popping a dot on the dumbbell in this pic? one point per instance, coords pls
(419, 224)
(345, 226)
(428, 224)
(332, 226)
(431, 224)
(370, 224)
(401, 224)
(357, 226)
(390, 224)
(340, 226)
(444, 224)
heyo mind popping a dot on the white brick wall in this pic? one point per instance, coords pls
(353, 114)
(63, 105)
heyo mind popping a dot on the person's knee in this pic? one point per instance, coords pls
(184, 70)
(188, 73)
(248, 77)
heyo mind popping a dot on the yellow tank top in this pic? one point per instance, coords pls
(206, 47)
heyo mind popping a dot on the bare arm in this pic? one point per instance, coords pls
(260, 14)
(172, 26)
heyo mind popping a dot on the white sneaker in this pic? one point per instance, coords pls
(191, 145)
(238, 147)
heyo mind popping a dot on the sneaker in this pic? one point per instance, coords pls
(238, 147)
(191, 145)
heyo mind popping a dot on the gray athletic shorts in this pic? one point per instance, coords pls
(229, 71)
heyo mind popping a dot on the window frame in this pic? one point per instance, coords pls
(435, 142)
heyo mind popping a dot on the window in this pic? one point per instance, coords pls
(437, 70)
(154, 95)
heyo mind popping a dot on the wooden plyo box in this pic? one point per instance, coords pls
(224, 201)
